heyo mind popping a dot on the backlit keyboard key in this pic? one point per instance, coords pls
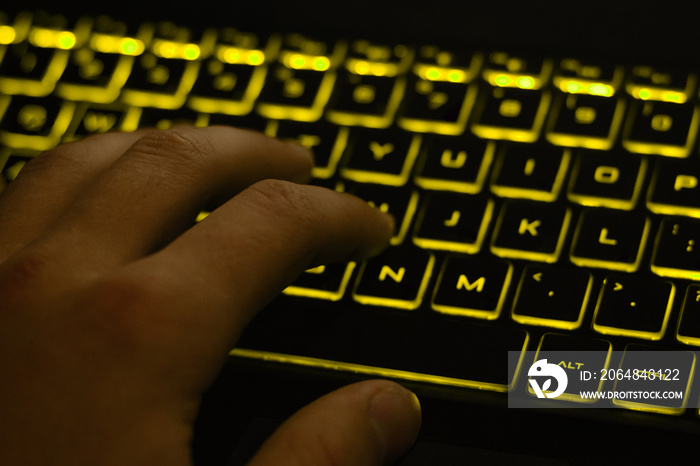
(677, 249)
(576, 354)
(574, 76)
(602, 179)
(610, 240)
(232, 78)
(649, 83)
(531, 231)
(97, 118)
(660, 372)
(300, 82)
(505, 70)
(586, 121)
(472, 287)
(511, 114)
(674, 188)
(326, 141)
(11, 163)
(396, 278)
(457, 164)
(634, 306)
(552, 296)
(532, 172)
(400, 203)
(327, 282)
(661, 128)
(34, 123)
(689, 324)
(384, 157)
(453, 222)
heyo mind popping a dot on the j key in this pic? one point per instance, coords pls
(504, 70)
(661, 128)
(674, 187)
(406, 345)
(576, 77)
(511, 114)
(400, 203)
(677, 250)
(552, 296)
(163, 75)
(453, 222)
(600, 180)
(454, 164)
(578, 354)
(689, 323)
(531, 231)
(232, 78)
(472, 287)
(648, 83)
(437, 107)
(530, 172)
(585, 121)
(634, 307)
(327, 282)
(326, 141)
(610, 240)
(299, 83)
(668, 371)
(396, 278)
(34, 123)
(384, 157)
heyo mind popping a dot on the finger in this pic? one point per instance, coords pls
(257, 243)
(51, 181)
(155, 190)
(364, 424)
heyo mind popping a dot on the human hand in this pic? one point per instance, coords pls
(116, 314)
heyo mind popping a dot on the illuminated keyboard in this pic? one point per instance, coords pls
(541, 202)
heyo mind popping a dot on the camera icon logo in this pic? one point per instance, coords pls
(542, 369)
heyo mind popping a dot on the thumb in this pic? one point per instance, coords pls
(367, 423)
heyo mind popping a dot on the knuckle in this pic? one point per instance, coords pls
(285, 200)
(180, 147)
(64, 155)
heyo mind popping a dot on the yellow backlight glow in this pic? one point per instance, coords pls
(300, 61)
(169, 49)
(122, 45)
(47, 38)
(7, 34)
(578, 87)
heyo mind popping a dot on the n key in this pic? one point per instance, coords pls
(397, 278)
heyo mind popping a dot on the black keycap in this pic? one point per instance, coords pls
(396, 278)
(10, 166)
(532, 231)
(453, 222)
(436, 106)
(370, 101)
(574, 76)
(674, 187)
(517, 71)
(511, 114)
(609, 239)
(552, 296)
(472, 287)
(665, 85)
(661, 128)
(634, 306)
(689, 323)
(585, 121)
(378, 156)
(34, 123)
(677, 249)
(327, 282)
(601, 180)
(326, 141)
(534, 172)
(576, 354)
(454, 163)
(400, 203)
(95, 118)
